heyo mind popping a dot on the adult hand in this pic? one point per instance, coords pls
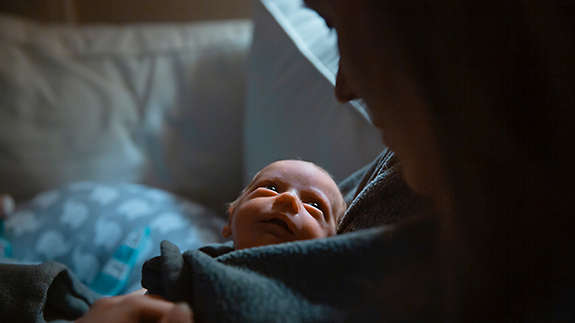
(137, 308)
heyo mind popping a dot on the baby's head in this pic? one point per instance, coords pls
(288, 200)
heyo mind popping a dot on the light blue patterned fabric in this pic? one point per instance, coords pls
(83, 224)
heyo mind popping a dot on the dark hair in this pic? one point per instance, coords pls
(498, 77)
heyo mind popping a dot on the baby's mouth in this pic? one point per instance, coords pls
(280, 223)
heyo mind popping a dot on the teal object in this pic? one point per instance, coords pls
(116, 272)
(5, 246)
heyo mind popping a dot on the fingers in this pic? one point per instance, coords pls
(180, 313)
(138, 306)
(150, 307)
(141, 291)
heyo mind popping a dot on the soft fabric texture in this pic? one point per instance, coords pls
(291, 111)
(379, 181)
(41, 293)
(82, 224)
(155, 104)
(362, 276)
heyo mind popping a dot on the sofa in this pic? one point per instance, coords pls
(187, 111)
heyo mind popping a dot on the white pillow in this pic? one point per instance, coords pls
(291, 110)
(155, 104)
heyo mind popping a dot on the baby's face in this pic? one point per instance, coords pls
(288, 200)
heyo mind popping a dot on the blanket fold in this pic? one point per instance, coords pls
(371, 275)
(41, 293)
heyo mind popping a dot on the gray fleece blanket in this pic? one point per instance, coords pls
(41, 293)
(368, 275)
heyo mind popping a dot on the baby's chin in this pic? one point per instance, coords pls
(264, 239)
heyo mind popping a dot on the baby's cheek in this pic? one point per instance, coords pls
(316, 230)
(330, 230)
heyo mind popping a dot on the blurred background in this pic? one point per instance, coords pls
(189, 96)
(114, 11)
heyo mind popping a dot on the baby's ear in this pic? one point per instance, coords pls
(231, 209)
(227, 229)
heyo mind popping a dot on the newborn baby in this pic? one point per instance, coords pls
(287, 200)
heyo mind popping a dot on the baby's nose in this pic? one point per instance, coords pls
(287, 202)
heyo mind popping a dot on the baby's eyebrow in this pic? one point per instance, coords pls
(260, 181)
(319, 194)
(267, 179)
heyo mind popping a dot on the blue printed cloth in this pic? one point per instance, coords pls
(83, 224)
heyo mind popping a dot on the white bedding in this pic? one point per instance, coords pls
(156, 104)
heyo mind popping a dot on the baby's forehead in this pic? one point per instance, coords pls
(294, 170)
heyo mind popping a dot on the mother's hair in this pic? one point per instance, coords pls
(498, 78)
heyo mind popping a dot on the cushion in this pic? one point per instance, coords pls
(155, 104)
(82, 224)
(291, 110)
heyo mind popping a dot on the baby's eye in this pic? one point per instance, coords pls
(315, 205)
(318, 207)
(271, 187)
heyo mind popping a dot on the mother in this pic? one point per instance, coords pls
(476, 98)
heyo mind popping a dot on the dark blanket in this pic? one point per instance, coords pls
(380, 274)
(41, 293)
(377, 195)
